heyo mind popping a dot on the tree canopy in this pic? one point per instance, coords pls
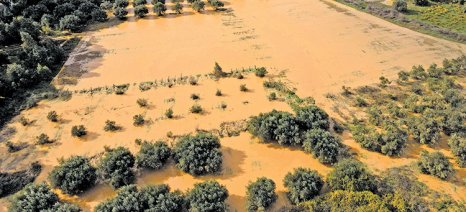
(260, 194)
(207, 196)
(73, 175)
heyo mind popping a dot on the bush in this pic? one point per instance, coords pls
(458, 148)
(436, 164)
(193, 81)
(71, 22)
(138, 120)
(312, 117)
(178, 8)
(116, 165)
(195, 96)
(39, 198)
(218, 93)
(199, 154)
(323, 145)
(111, 126)
(160, 8)
(208, 196)
(120, 13)
(121, 3)
(169, 113)
(139, 2)
(52, 116)
(216, 4)
(277, 126)
(243, 88)
(153, 155)
(303, 185)
(74, 175)
(261, 72)
(142, 102)
(141, 11)
(78, 131)
(272, 96)
(421, 2)
(260, 194)
(151, 198)
(347, 201)
(425, 130)
(400, 5)
(218, 71)
(198, 5)
(351, 175)
(43, 139)
(196, 109)
(12, 182)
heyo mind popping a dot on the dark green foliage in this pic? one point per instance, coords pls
(43, 139)
(391, 141)
(178, 8)
(216, 4)
(260, 194)
(71, 22)
(195, 96)
(303, 185)
(151, 198)
(400, 5)
(116, 165)
(73, 175)
(421, 2)
(208, 196)
(272, 96)
(347, 201)
(199, 154)
(351, 175)
(12, 182)
(160, 8)
(37, 198)
(169, 113)
(153, 155)
(243, 88)
(120, 12)
(111, 126)
(457, 144)
(425, 130)
(261, 72)
(276, 126)
(138, 120)
(52, 116)
(78, 131)
(453, 122)
(323, 145)
(139, 2)
(218, 72)
(436, 164)
(121, 3)
(312, 117)
(218, 92)
(142, 102)
(196, 109)
(141, 11)
(198, 5)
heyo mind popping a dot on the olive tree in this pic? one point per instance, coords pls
(160, 8)
(457, 144)
(260, 194)
(141, 11)
(199, 154)
(312, 117)
(303, 184)
(116, 165)
(277, 126)
(153, 155)
(207, 196)
(323, 145)
(73, 175)
(436, 164)
(351, 175)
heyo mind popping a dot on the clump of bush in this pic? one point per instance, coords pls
(207, 196)
(12, 182)
(260, 194)
(142, 102)
(24, 121)
(195, 96)
(199, 154)
(261, 72)
(276, 126)
(218, 71)
(140, 11)
(153, 155)
(436, 164)
(218, 92)
(457, 144)
(138, 120)
(169, 113)
(116, 165)
(73, 175)
(196, 109)
(351, 175)
(111, 126)
(52, 116)
(303, 185)
(193, 81)
(312, 117)
(272, 96)
(43, 139)
(156, 198)
(243, 88)
(323, 145)
(78, 131)
(400, 5)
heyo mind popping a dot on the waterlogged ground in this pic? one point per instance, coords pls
(320, 45)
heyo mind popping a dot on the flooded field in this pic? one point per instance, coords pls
(319, 45)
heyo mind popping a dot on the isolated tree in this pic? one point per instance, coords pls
(111, 126)
(116, 165)
(323, 145)
(351, 175)
(78, 131)
(73, 175)
(277, 126)
(457, 144)
(216, 4)
(260, 194)
(199, 154)
(141, 11)
(198, 5)
(303, 184)
(207, 196)
(120, 12)
(153, 155)
(436, 164)
(160, 8)
(178, 8)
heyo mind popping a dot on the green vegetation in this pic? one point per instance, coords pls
(39, 198)
(141, 11)
(73, 175)
(198, 6)
(199, 154)
(160, 8)
(322, 145)
(458, 147)
(196, 109)
(436, 164)
(207, 196)
(153, 155)
(138, 120)
(243, 88)
(116, 167)
(151, 198)
(303, 185)
(111, 126)
(52, 116)
(348, 201)
(351, 175)
(12, 182)
(260, 194)
(142, 102)
(169, 113)
(43, 139)
(218, 93)
(78, 131)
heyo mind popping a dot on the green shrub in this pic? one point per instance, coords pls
(436, 164)
(111, 126)
(138, 120)
(153, 155)
(218, 93)
(260, 194)
(312, 117)
(272, 96)
(218, 71)
(71, 22)
(277, 126)
(43, 139)
(73, 175)
(120, 13)
(52, 116)
(323, 145)
(24, 121)
(216, 4)
(116, 165)
(139, 2)
(351, 175)
(78, 131)
(141, 11)
(458, 148)
(193, 81)
(261, 72)
(160, 8)
(169, 113)
(195, 96)
(347, 201)
(303, 185)
(196, 109)
(121, 3)
(199, 154)
(178, 8)
(142, 102)
(400, 5)
(198, 5)
(207, 196)
(243, 88)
